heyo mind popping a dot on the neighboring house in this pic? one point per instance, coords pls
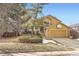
(75, 27)
(74, 30)
(54, 28)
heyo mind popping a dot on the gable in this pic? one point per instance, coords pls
(58, 26)
(55, 22)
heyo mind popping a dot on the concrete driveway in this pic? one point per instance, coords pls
(73, 43)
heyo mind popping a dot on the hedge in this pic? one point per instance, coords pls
(34, 39)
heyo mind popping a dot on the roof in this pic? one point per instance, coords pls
(74, 25)
(52, 17)
(56, 19)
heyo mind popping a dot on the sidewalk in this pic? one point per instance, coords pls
(54, 53)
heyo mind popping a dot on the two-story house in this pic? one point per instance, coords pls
(54, 28)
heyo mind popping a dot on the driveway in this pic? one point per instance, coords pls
(73, 43)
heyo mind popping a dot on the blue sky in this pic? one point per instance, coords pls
(68, 13)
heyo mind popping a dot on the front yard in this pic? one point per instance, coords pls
(23, 48)
(11, 45)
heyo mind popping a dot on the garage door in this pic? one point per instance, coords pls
(58, 33)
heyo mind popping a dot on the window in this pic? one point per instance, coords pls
(59, 26)
(47, 23)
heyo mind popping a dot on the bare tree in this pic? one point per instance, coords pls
(10, 17)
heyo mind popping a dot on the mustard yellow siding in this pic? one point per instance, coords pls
(53, 31)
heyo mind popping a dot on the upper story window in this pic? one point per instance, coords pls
(47, 23)
(59, 26)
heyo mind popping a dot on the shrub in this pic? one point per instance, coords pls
(34, 39)
(23, 39)
(40, 35)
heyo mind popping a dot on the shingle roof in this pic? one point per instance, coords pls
(56, 19)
